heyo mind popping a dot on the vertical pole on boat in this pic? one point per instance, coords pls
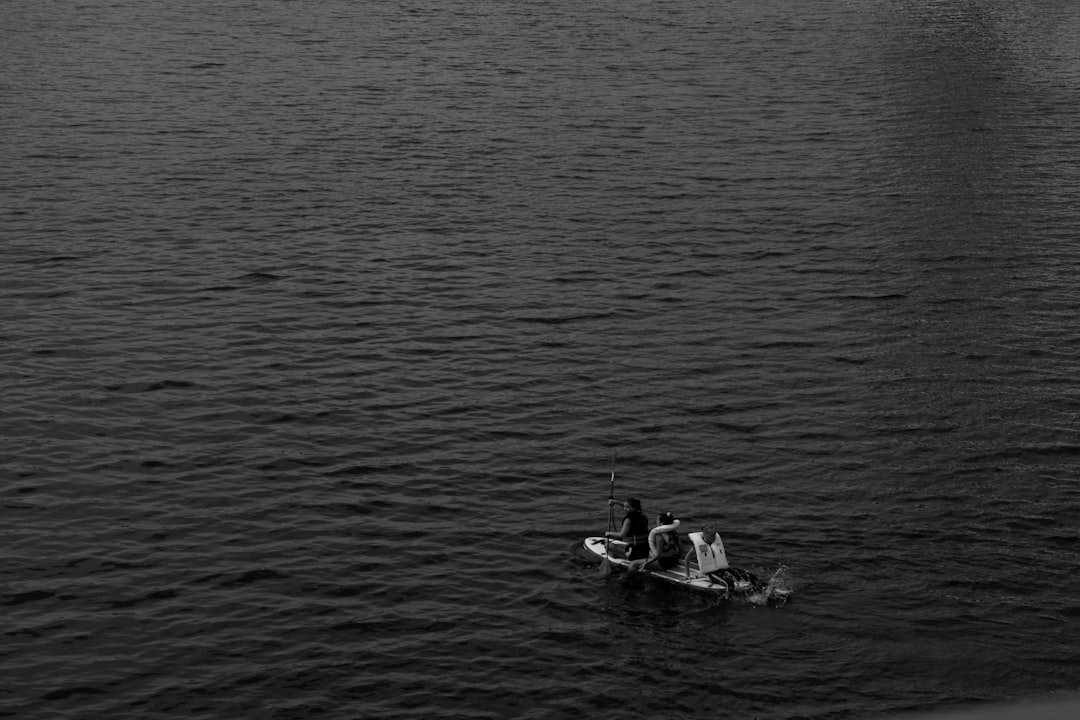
(605, 564)
(611, 496)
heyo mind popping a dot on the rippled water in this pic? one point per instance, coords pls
(322, 323)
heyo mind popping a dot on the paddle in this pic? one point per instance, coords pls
(605, 564)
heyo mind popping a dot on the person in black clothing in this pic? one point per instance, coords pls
(634, 530)
(665, 550)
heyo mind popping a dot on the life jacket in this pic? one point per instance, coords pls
(669, 545)
(639, 527)
(710, 556)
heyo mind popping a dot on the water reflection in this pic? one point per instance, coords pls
(971, 179)
(957, 117)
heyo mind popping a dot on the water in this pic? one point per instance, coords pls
(322, 323)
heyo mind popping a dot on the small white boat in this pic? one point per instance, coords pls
(704, 569)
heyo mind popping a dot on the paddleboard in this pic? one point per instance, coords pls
(726, 582)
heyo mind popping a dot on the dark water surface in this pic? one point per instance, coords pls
(321, 323)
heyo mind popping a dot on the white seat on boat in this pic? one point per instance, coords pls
(710, 556)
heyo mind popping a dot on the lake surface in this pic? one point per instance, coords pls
(323, 322)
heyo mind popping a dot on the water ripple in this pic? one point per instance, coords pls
(321, 330)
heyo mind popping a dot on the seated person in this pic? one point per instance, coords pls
(707, 552)
(634, 531)
(665, 549)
